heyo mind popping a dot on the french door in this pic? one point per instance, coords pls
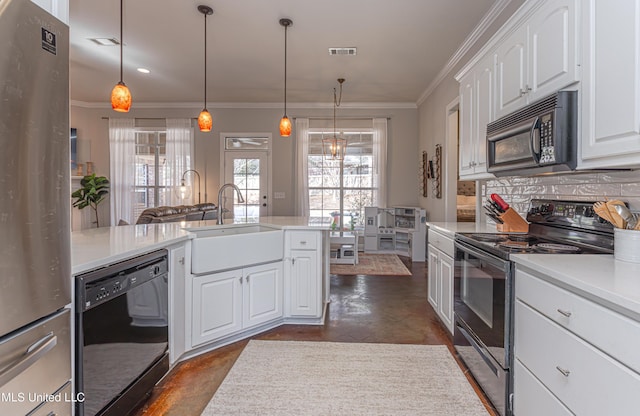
(249, 171)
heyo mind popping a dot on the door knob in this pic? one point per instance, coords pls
(264, 205)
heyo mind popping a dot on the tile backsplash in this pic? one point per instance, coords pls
(591, 186)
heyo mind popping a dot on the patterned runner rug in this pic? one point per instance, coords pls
(330, 378)
(374, 265)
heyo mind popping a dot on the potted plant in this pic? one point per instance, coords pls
(92, 192)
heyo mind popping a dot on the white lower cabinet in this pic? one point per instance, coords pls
(303, 274)
(561, 364)
(440, 277)
(227, 302)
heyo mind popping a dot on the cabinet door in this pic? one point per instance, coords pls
(511, 75)
(262, 300)
(610, 111)
(552, 48)
(485, 101)
(433, 289)
(304, 284)
(216, 306)
(467, 125)
(177, 299)
(445, 277)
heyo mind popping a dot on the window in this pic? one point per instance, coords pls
(151, 182)
(339, 192)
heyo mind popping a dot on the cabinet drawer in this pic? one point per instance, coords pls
(302, 240)
(531, 397)
(602, 327)
(441, 242)
(592, 384)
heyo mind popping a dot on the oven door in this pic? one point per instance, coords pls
(516, 147)
(482, 299)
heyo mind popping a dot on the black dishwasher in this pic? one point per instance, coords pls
(121, 334)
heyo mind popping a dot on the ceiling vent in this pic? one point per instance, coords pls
(343, 51)
(105, 41)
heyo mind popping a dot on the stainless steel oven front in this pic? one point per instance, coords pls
(483, 330)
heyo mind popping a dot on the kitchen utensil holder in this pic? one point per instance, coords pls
(626, 246)
(512, 222)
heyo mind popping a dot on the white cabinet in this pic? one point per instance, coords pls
(303, 274)
(57, 8)
(227, 302)
(539, 57)
(610, 100)
(476, 111)
(572, 355)
(177, 313)
(440, 277)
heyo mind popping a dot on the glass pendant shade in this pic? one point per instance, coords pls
(334, 148)
(183, 191)
(285, 127)
(121, 98)
(205, 121)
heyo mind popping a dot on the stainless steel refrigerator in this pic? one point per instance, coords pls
(35, 264)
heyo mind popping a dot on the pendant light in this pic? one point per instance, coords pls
(205, 121)
(335, 148)
(120, 95)
(285, 123)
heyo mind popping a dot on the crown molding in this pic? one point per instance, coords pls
(488, 19)
(198, 105)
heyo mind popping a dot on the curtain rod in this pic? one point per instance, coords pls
(341, 118)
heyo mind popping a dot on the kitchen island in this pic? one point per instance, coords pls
(222, 302)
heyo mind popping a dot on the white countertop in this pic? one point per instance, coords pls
(450, 228)
(599, 277)
(99, 247)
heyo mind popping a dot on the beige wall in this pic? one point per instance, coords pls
(93, 134)
(432, 122)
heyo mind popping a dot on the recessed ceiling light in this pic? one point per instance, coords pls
(143, 70)
(352, 51)
(105, 41)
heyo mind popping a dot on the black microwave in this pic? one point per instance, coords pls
(539, 138)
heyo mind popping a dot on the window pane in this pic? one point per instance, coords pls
(246, 143)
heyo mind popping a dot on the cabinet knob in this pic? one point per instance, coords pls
(181, 261)
(303, 242)
(563, 371)
(564, 313)
(240, 279)
(293, 260)
(247, 279)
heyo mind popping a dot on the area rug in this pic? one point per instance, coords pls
(330, 378)
(373, 264)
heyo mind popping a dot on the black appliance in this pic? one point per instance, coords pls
(122, 334)
(483, 284)
(539, 138)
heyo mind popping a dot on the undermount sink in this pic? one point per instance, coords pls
(226, 248)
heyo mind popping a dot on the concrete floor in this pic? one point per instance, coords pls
(378, 309)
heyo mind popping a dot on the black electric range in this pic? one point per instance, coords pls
(555, 227)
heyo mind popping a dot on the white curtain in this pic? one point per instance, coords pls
(380, 160)
(302, 173)
(178, 161)
(122, 148)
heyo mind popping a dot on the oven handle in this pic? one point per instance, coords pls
(484, 354)
(534, 140)
(501, 264)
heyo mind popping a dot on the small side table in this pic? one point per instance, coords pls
(344, 247)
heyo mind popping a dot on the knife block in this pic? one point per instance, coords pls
(512, 222)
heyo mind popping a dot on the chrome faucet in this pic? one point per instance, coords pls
(220, 193)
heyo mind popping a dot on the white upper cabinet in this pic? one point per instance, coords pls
(476, 111)
(610, 102)
(539, 57)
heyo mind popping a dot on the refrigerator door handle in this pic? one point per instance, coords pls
(30, 357)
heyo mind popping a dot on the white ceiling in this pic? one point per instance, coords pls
(402, 45)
